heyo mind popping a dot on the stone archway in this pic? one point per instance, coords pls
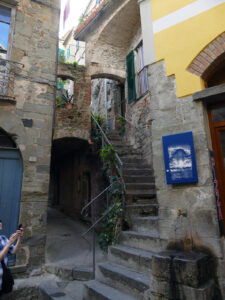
(209, 59)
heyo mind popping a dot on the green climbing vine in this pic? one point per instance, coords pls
(121, 122)
(111, 224)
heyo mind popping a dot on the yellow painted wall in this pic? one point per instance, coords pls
(181, 43)
(160, 8)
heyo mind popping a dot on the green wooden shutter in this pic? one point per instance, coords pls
(131, 77)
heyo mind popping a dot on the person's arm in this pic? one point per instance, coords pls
(5, 250)
(17, 246)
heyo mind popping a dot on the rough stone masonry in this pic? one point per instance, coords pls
(33, 44)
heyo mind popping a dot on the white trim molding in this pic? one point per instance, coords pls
(185, 13)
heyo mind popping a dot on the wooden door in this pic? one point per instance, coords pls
(10, 189)
(216, 115)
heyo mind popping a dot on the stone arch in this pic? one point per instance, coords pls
(107, 49)
(209, 59)
(115, 75)
(13, 125)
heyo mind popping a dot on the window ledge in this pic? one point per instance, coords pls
(7, 99)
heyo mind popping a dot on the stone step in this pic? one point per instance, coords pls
(136, 165)
(140, 240)
(140, 186)
(70, 273)
(125, 149)
(131, 160)
(132, 195)
(95, 290)
(138, 179)
(125, 155)
(142, 210)
(137, 171)
(126, 280)
(145, 224)
(137, 259)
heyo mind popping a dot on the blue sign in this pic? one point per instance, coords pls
(179, 158)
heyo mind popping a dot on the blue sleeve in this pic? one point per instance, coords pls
(11, 249)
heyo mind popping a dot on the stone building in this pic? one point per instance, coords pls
(29, 33)
(172, 70)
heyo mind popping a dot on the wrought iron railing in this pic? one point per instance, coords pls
(119, 180)
(8, 69)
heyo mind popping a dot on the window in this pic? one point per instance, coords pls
(68, 53)
(77, 45)
(137, 76)
(141, 72)
(61, 54)
(5, 18)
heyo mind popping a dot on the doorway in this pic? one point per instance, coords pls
(216, 114)
(11, 170)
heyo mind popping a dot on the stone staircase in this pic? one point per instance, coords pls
(126, 274)
(136, 267)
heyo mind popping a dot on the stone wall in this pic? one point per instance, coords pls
(75, 122)
(34, 45)
(196, 226)
(138, 129)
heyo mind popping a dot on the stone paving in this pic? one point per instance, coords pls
(66, 250)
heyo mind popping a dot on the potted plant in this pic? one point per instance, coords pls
(67, 99)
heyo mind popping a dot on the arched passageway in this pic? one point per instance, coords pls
(70, 175)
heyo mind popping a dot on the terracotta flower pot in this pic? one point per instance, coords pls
(69, 105)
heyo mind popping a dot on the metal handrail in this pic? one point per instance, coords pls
(136, 127)
(106, 190)
(106, 139)
(102, 217)
(94, 199)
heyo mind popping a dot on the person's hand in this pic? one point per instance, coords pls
(20, 232)
(13, 237)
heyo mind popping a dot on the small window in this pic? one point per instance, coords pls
(68, 53)
(5, 18)
(77, 45)
(141, 72)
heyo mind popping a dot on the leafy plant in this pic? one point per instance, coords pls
(82, 18)
(108, 154)
(121, 125)
(111, 224)
(59, 102)
(66, 97)
(96, 135)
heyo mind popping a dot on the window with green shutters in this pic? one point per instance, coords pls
(131, 77)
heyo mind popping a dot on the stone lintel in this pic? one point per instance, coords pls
(210, 95)
(10, 2)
